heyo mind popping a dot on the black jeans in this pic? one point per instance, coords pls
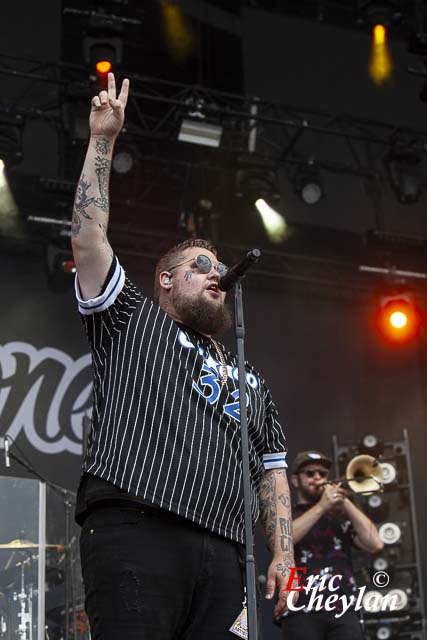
(322, 625)
(150, 575)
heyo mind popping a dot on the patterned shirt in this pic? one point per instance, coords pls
(326, 551)
(164, 428)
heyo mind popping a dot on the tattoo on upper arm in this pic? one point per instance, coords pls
(103, 228)
(268, 508)
(102, 170)
(81, 202)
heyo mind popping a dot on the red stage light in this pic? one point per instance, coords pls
(68, 266)
(103, 66)
(399, 319)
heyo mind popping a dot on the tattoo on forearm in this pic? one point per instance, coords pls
(81, 202)
(285, 500)
(102, 170)
(102, 146)
(103, 228)
(285, 535)
(268, 508)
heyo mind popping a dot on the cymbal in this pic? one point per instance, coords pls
(27, 544)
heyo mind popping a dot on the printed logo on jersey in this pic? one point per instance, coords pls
(209, 383)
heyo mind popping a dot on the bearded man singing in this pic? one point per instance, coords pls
(161, 498)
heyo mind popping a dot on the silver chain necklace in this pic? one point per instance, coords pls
(224, 374)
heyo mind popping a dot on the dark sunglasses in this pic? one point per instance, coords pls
(310, 473)
(204, 264)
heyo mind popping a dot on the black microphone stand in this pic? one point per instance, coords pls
(249, 542)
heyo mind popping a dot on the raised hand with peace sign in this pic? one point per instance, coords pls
(108, 110)
(91, 248)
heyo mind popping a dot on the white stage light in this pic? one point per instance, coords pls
(274, 223)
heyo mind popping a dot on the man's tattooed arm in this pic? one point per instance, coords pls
(275, 511)
(91, 248)
(81, 203)
(276, 519)
(105, 239)
(268, 508)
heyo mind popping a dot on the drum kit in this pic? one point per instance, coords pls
(19, 593)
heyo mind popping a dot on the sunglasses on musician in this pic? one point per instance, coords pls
(204, 265)
(310, 473)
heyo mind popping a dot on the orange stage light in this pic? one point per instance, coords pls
(103, 66)
(399, 319)
(380, 64)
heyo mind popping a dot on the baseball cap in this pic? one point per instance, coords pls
(310, 457)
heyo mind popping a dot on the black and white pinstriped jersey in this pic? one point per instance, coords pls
(163, 427)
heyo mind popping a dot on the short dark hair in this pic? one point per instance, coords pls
(174, 256)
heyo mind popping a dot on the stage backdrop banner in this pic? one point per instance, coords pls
(45, 373)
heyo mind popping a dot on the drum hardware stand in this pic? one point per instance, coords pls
(69, 591)
(25, 627)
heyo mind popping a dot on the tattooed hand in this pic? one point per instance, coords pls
(278, 575)
(108, 111)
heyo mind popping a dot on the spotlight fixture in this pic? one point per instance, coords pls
(372, 601)
(397, 599)
(389, 472)
(370, 444)
(398, 318)
(375, 501)
(402, 165)
(383, 12)
(378, 508)
(256, 182)
(380, 564)
(390, 532)
(102, 54)
(380, 64)
(383, 632)
(308, 186)
(60, 268)
(274, 223)
(196, 132)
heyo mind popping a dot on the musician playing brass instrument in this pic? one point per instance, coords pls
(326, 525)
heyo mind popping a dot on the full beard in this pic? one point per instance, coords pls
(311, 495)
(203, 317)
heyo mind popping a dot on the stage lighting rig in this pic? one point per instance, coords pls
(60, 268)
(273, 221)
(199, 132)
(402, 166)
(390, 532)
(102, 54)
(371, 444)
(379, 12)
(308, 186)
(399, 319)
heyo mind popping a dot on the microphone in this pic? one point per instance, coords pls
(229, 279)
(6, 451)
